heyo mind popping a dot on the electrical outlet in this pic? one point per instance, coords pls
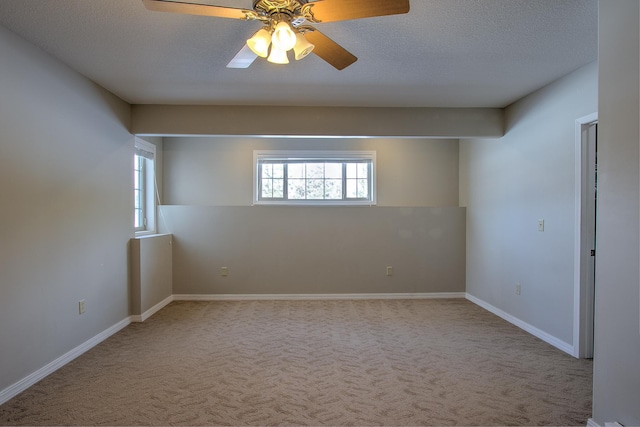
(389, 271)
(518, 289)
(81, 306)
(224, 271)
(541, 225)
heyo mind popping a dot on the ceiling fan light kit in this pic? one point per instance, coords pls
(287, 25)
(260, 43)
(278, 56)
(282, 39)
(302, 47)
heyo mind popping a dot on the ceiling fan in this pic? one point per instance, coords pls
(286, 26)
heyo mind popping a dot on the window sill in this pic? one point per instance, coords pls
(144, 234)
(315, 204)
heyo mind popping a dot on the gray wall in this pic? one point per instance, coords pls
(507, 184)
(65, 216)
(417, 227)
(616, 394)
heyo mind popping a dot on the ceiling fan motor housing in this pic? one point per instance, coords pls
(296, 11)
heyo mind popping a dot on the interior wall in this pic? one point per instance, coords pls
(218, 171)
(416, 228)
(230, 120)
(151, 272)
(65, 221)
(616, 376)
(507, 185)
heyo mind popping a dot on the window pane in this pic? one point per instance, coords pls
(352, 170)
(363, 170)
(333, 170)
(267, 188)
(278, 170)
(296, 189)
(315, 189)
(363, 189)
(315, 170)
(278, 188)
(295, 170)
(333, 189)
(267, 170)
(352, 189)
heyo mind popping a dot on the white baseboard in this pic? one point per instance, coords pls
(153, 310)
(17, 388)
(550, 339)
(305, 297)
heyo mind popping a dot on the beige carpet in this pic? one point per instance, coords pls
(390, 362)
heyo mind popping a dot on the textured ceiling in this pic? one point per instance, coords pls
(443, 53)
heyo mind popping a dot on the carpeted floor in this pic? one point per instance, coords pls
(374, 362)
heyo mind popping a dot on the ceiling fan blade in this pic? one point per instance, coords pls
(243, 59)
(341, 10)
(329, 50)
(196, 9)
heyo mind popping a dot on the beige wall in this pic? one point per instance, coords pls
(151, 272)
(218, 171)
(66, 207)
(416, 228)
(317, 121)
(616, 376)
(307, 250)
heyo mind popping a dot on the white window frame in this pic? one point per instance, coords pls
(311, 156)
(148, 187)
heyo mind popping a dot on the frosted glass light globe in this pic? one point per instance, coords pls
(283, 37)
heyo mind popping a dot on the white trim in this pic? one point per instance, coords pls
(591, 423)
(304, 297)
(17, 388)
(343, 155)
(550, 339)
(153, 310)
(579, 275)
(149, 183)
(145, 145)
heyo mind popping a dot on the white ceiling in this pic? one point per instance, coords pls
(443, 53)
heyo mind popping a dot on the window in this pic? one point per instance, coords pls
(144, 187)
(305, 177)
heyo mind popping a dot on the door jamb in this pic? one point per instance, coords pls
(581, 314)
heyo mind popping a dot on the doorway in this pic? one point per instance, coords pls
(585, 245)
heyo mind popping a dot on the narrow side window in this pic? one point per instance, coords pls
(144, 187)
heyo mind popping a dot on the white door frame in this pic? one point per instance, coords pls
(583, 304)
